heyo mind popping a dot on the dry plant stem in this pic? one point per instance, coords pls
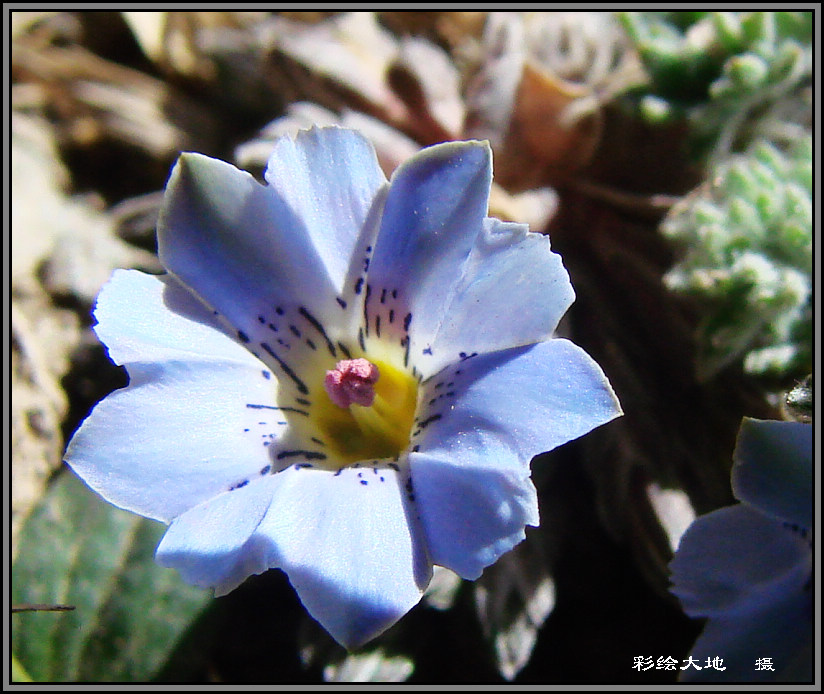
(652, 206)
(38, 607)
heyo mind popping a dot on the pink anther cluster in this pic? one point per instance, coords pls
(352, 381)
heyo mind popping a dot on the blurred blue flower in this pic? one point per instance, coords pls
(748, 567)
(340, 377)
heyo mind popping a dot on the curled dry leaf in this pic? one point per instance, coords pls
(98, 100)
(408, 83)
(538, 90)
(533, 207)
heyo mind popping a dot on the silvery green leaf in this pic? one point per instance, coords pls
(513, 599)
(443, 588)
(729, 74)
(377, 662)
(370, 666)
(746, 254)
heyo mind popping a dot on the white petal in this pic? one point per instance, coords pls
(351, 546)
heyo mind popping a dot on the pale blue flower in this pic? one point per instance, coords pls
(748, 567)
(228, 430)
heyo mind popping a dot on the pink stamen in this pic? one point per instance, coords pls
(352, 381)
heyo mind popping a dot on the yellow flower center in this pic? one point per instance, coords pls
(380, 430)
(352, 433)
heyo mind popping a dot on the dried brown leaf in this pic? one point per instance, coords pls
(95, 99)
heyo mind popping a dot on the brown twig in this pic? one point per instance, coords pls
(35, 607)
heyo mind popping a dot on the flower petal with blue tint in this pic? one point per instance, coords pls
(145, 318)
(433, 216)
(247, 250)
(512, 292)
(197, 416)
(748, 568)
(483, 421)
(473, 511)
(328, 179)
(773, 469)
(752, 576)
(211, 544)
(351, 546)
(735, 560)
(179, 434)
(510, 405)
(782, 629)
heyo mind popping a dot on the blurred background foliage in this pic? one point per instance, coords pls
(667, 154)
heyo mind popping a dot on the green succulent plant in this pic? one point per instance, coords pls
(722, 71)
(747, 241)
(741, 82)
